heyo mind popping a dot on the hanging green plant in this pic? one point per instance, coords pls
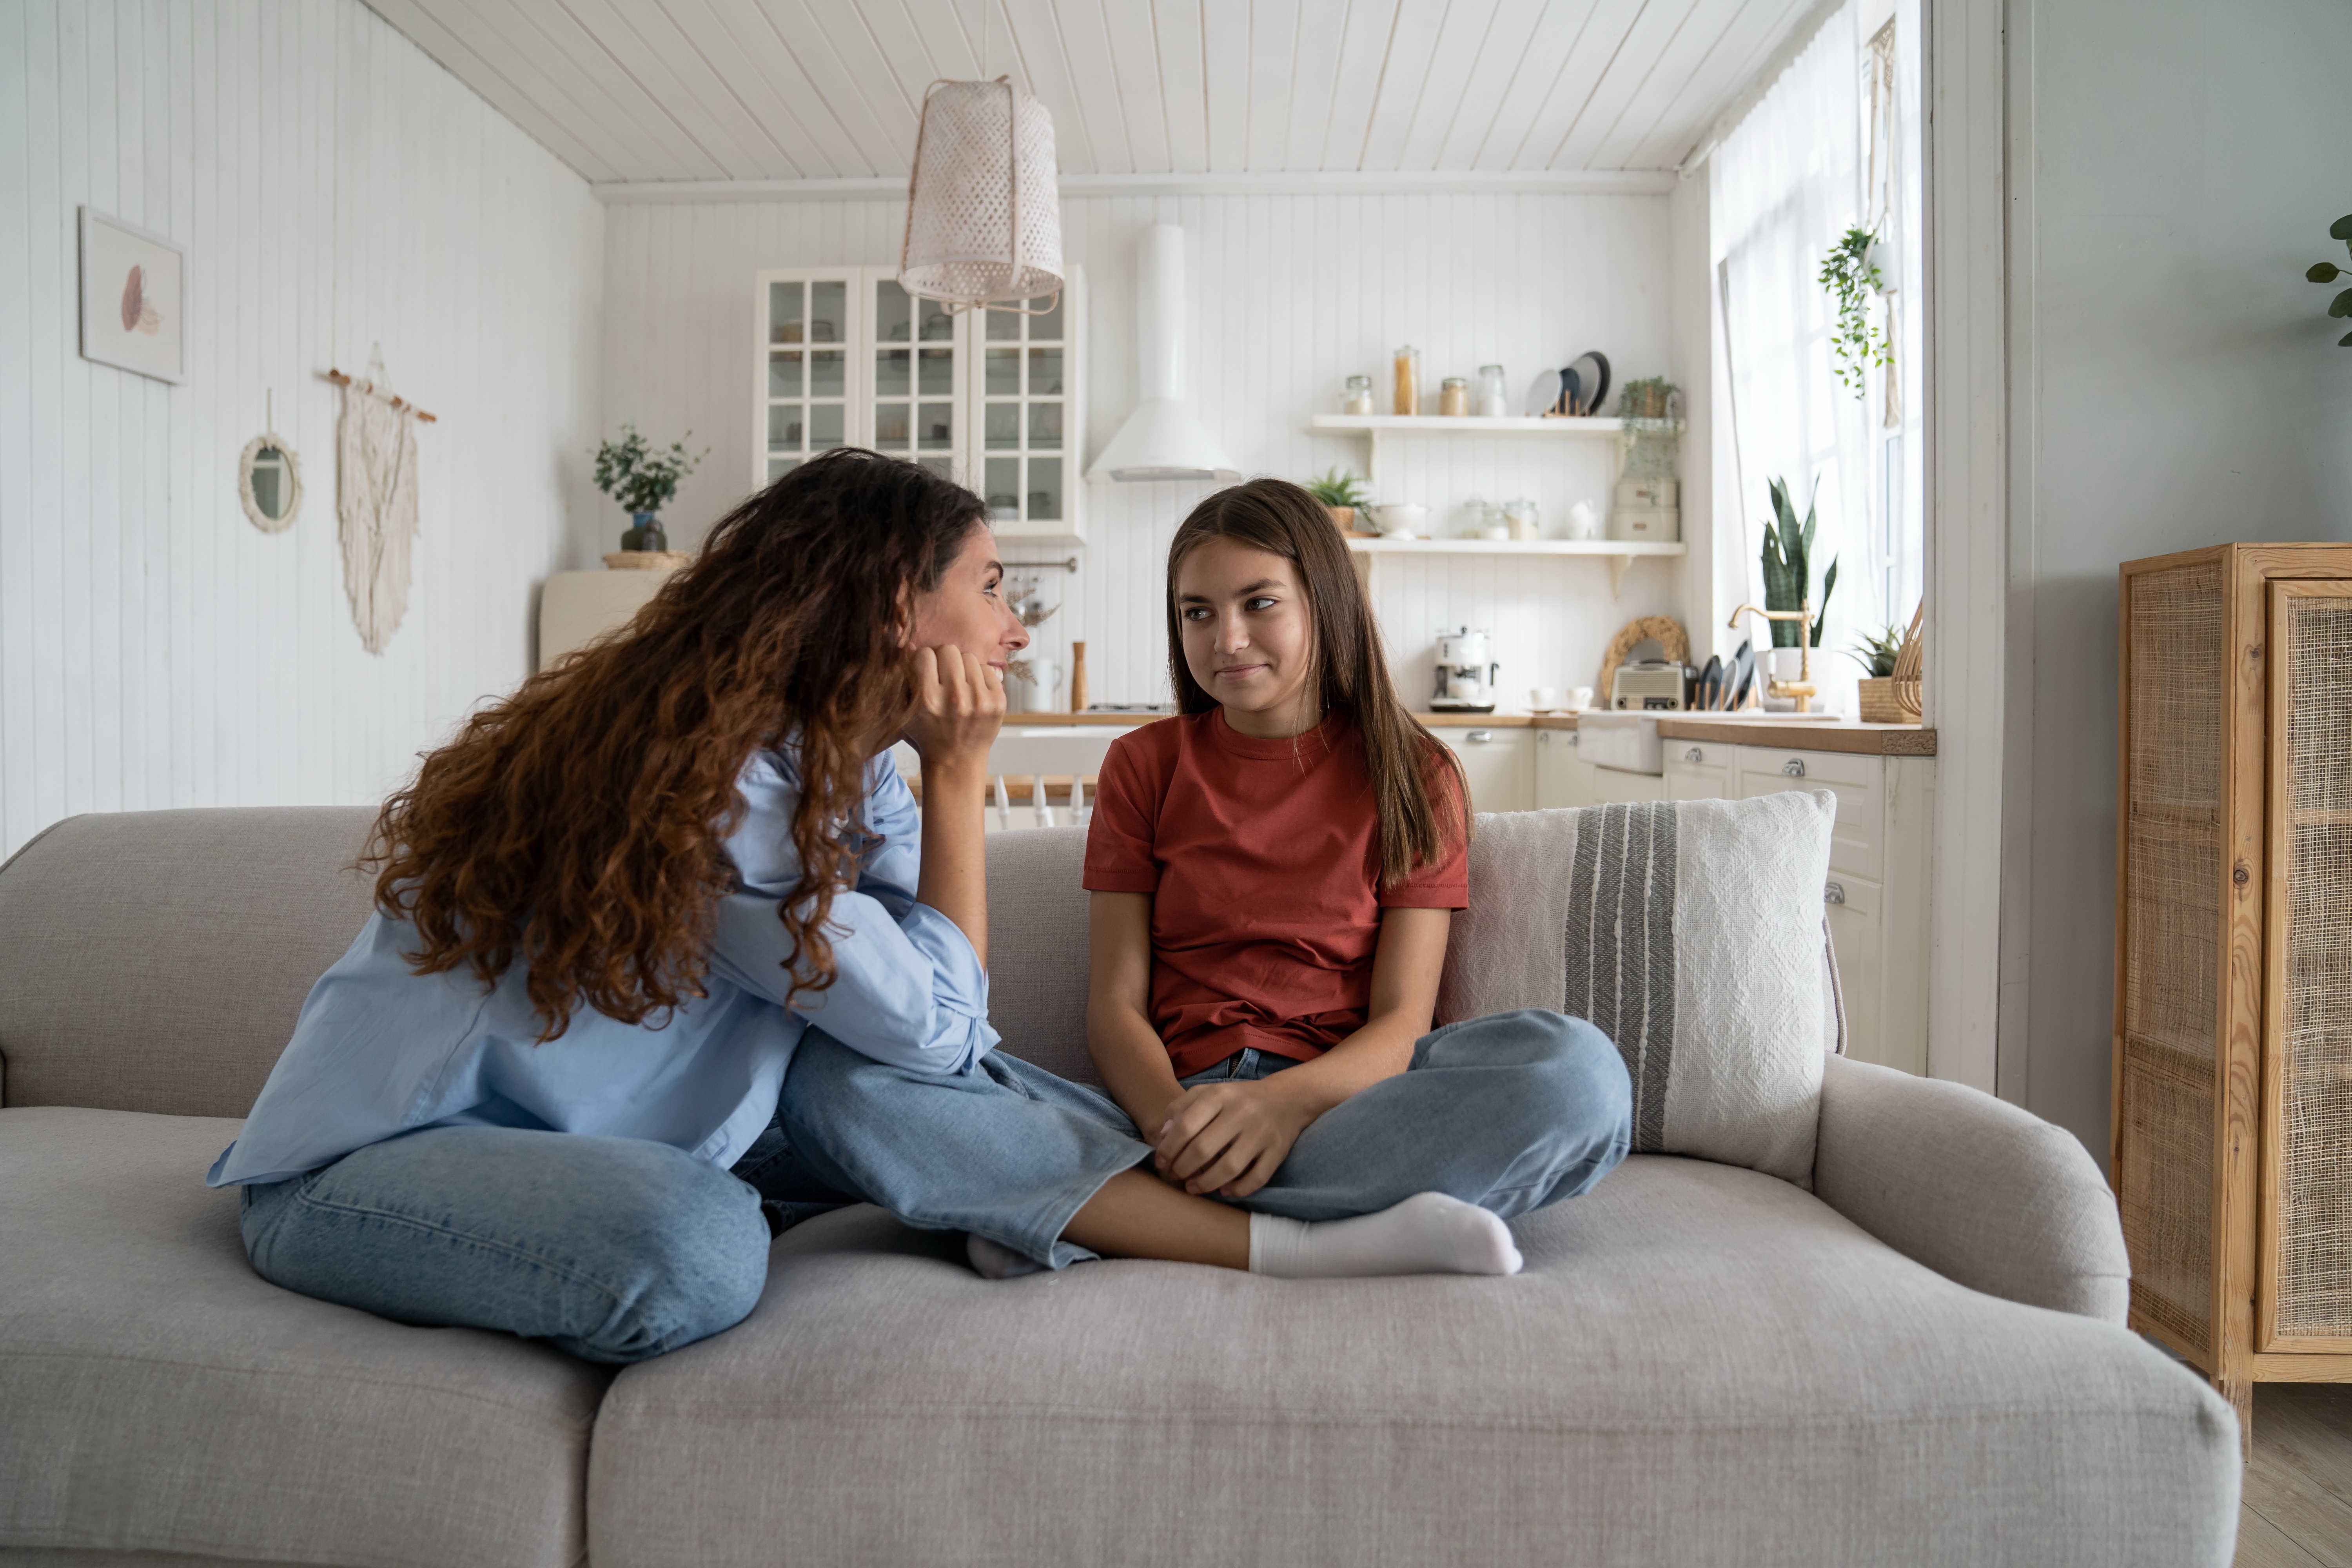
(1852, 277)
(1789, 568)
(2328, 272)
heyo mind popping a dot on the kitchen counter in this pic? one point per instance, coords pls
(1805, 734)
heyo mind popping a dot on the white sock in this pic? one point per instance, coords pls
(1429, 1233)
(991, 1260)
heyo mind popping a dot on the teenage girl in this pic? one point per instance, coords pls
(545, 1090)
(1272, 872)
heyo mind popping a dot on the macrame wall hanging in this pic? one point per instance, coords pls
(375, 499)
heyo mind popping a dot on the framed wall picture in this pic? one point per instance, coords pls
(133, 295)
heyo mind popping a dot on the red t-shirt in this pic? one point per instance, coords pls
(1263, 857)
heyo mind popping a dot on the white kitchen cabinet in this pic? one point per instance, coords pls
(992, 399)
(1499, 762)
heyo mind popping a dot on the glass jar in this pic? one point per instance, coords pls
(1488, 399)
(1520, 514)
(1357, 398)
(1408, 381)
(1454, 397)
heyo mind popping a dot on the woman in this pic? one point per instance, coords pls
(1273, 873)
(541, 1092)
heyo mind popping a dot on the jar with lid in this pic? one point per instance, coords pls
(1408, 381)
(1488, 399)
(1520, 514)
(1357, 398)
(1454, 397)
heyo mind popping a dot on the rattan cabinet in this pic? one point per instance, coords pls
(2233, 960)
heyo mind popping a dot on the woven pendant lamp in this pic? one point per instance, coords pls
(983, 212)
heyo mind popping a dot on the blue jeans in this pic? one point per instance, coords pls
(614, 1249)
(1510, 1111)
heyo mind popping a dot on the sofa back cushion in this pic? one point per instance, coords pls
(155, 959)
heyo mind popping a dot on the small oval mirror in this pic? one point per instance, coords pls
(269, 482)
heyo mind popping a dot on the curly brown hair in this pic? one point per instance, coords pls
(579, 826)
(1417, 784)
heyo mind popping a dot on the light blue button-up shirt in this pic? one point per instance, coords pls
(380, 1049)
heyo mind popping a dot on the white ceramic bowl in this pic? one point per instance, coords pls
(1400, 519)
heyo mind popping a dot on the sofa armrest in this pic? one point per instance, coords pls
(1984, 1193)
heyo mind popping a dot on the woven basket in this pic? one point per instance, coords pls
(983, 210)
(1888, 700)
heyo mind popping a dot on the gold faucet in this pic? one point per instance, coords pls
(1802, 688)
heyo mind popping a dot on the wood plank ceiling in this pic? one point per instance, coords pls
(627, 91)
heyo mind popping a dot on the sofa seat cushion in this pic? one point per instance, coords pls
(1702, 1364)
(158, 1395)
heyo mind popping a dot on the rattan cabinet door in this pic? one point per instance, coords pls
(2306, 1300)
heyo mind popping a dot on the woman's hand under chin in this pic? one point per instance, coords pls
(1229, 1138)
(959, 708)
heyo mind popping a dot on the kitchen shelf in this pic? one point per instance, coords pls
(1375, 427)
(1620, 553)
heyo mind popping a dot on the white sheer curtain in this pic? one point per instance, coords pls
(1783, 186)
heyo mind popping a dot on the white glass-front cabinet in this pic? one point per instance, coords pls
(991, 399)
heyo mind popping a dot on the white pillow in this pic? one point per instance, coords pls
(1690, 933)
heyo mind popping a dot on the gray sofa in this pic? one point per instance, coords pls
(1920, 1362)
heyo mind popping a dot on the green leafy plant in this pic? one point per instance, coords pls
(1335, 489)
(1876, 654)
(1850, 277)
(1789, 568)
(640, 479)
(2328, 272)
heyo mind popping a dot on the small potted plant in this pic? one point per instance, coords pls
(1851, 274)
(643, 481)
(1881, 697)
(1340, 494)
(2328, 272)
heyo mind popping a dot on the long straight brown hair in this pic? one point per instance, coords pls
(1348, 666)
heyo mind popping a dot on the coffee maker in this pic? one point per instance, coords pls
(1465, 672)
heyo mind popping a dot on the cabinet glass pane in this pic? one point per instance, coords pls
(778, 467)
(784, 426)
(1003, 373)
(784, 373)
(1045, 427)
(1044, 373)
(784, 324)
(1003, 327)
(938, 427)
(1047, 328)
(1045, 489)
(939, 327)
(937, 371)
(825, 373)
(1003, 426)
(824, 425)
(890, 373)
(893, 316)
(890, 427)
(828, 313)
(1003, 492)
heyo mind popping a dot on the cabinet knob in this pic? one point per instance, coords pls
(1794, 767)
(1694, 755)
(1834, 893)
(1479, 737)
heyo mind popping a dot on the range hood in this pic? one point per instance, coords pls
(1162, 439)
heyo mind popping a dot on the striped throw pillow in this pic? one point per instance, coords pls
(1690, 933)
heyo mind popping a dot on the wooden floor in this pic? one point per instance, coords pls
(2297, 1512)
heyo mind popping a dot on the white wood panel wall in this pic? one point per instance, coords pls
(1288, 294)
(334, 188)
